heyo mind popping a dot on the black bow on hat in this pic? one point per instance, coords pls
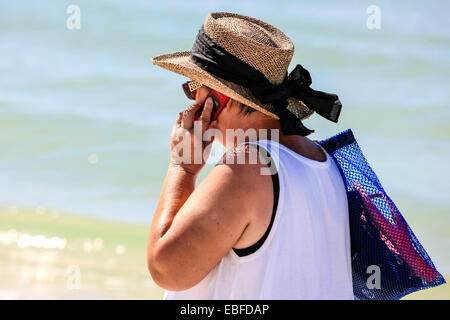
(297, 85)
(213, 58)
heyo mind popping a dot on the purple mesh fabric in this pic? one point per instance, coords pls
(380, 236)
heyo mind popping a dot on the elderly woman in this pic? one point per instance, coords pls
(272, 228)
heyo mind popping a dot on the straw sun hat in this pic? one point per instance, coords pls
(257, 45)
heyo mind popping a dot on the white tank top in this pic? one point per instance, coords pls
(307, 252)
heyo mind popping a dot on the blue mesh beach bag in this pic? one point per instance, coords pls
(380, 236)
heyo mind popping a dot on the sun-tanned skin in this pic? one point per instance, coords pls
(194, 227)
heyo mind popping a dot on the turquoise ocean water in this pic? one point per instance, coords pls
(85, 117)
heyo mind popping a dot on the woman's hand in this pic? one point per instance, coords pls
(188, 149)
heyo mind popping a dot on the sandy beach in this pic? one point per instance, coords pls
(42, 252)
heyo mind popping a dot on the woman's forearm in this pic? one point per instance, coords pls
(178, 186)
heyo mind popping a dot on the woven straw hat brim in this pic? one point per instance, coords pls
(181, 63)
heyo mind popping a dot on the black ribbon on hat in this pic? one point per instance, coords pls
(216, 60)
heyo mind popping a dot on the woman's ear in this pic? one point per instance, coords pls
(232, 106)
(232, 103)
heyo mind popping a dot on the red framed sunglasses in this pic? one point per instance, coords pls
(219, 100)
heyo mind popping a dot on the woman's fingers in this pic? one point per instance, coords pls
(187, 118)
(188, 115)
(205, 117)
(178, 121)
(184, 129)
